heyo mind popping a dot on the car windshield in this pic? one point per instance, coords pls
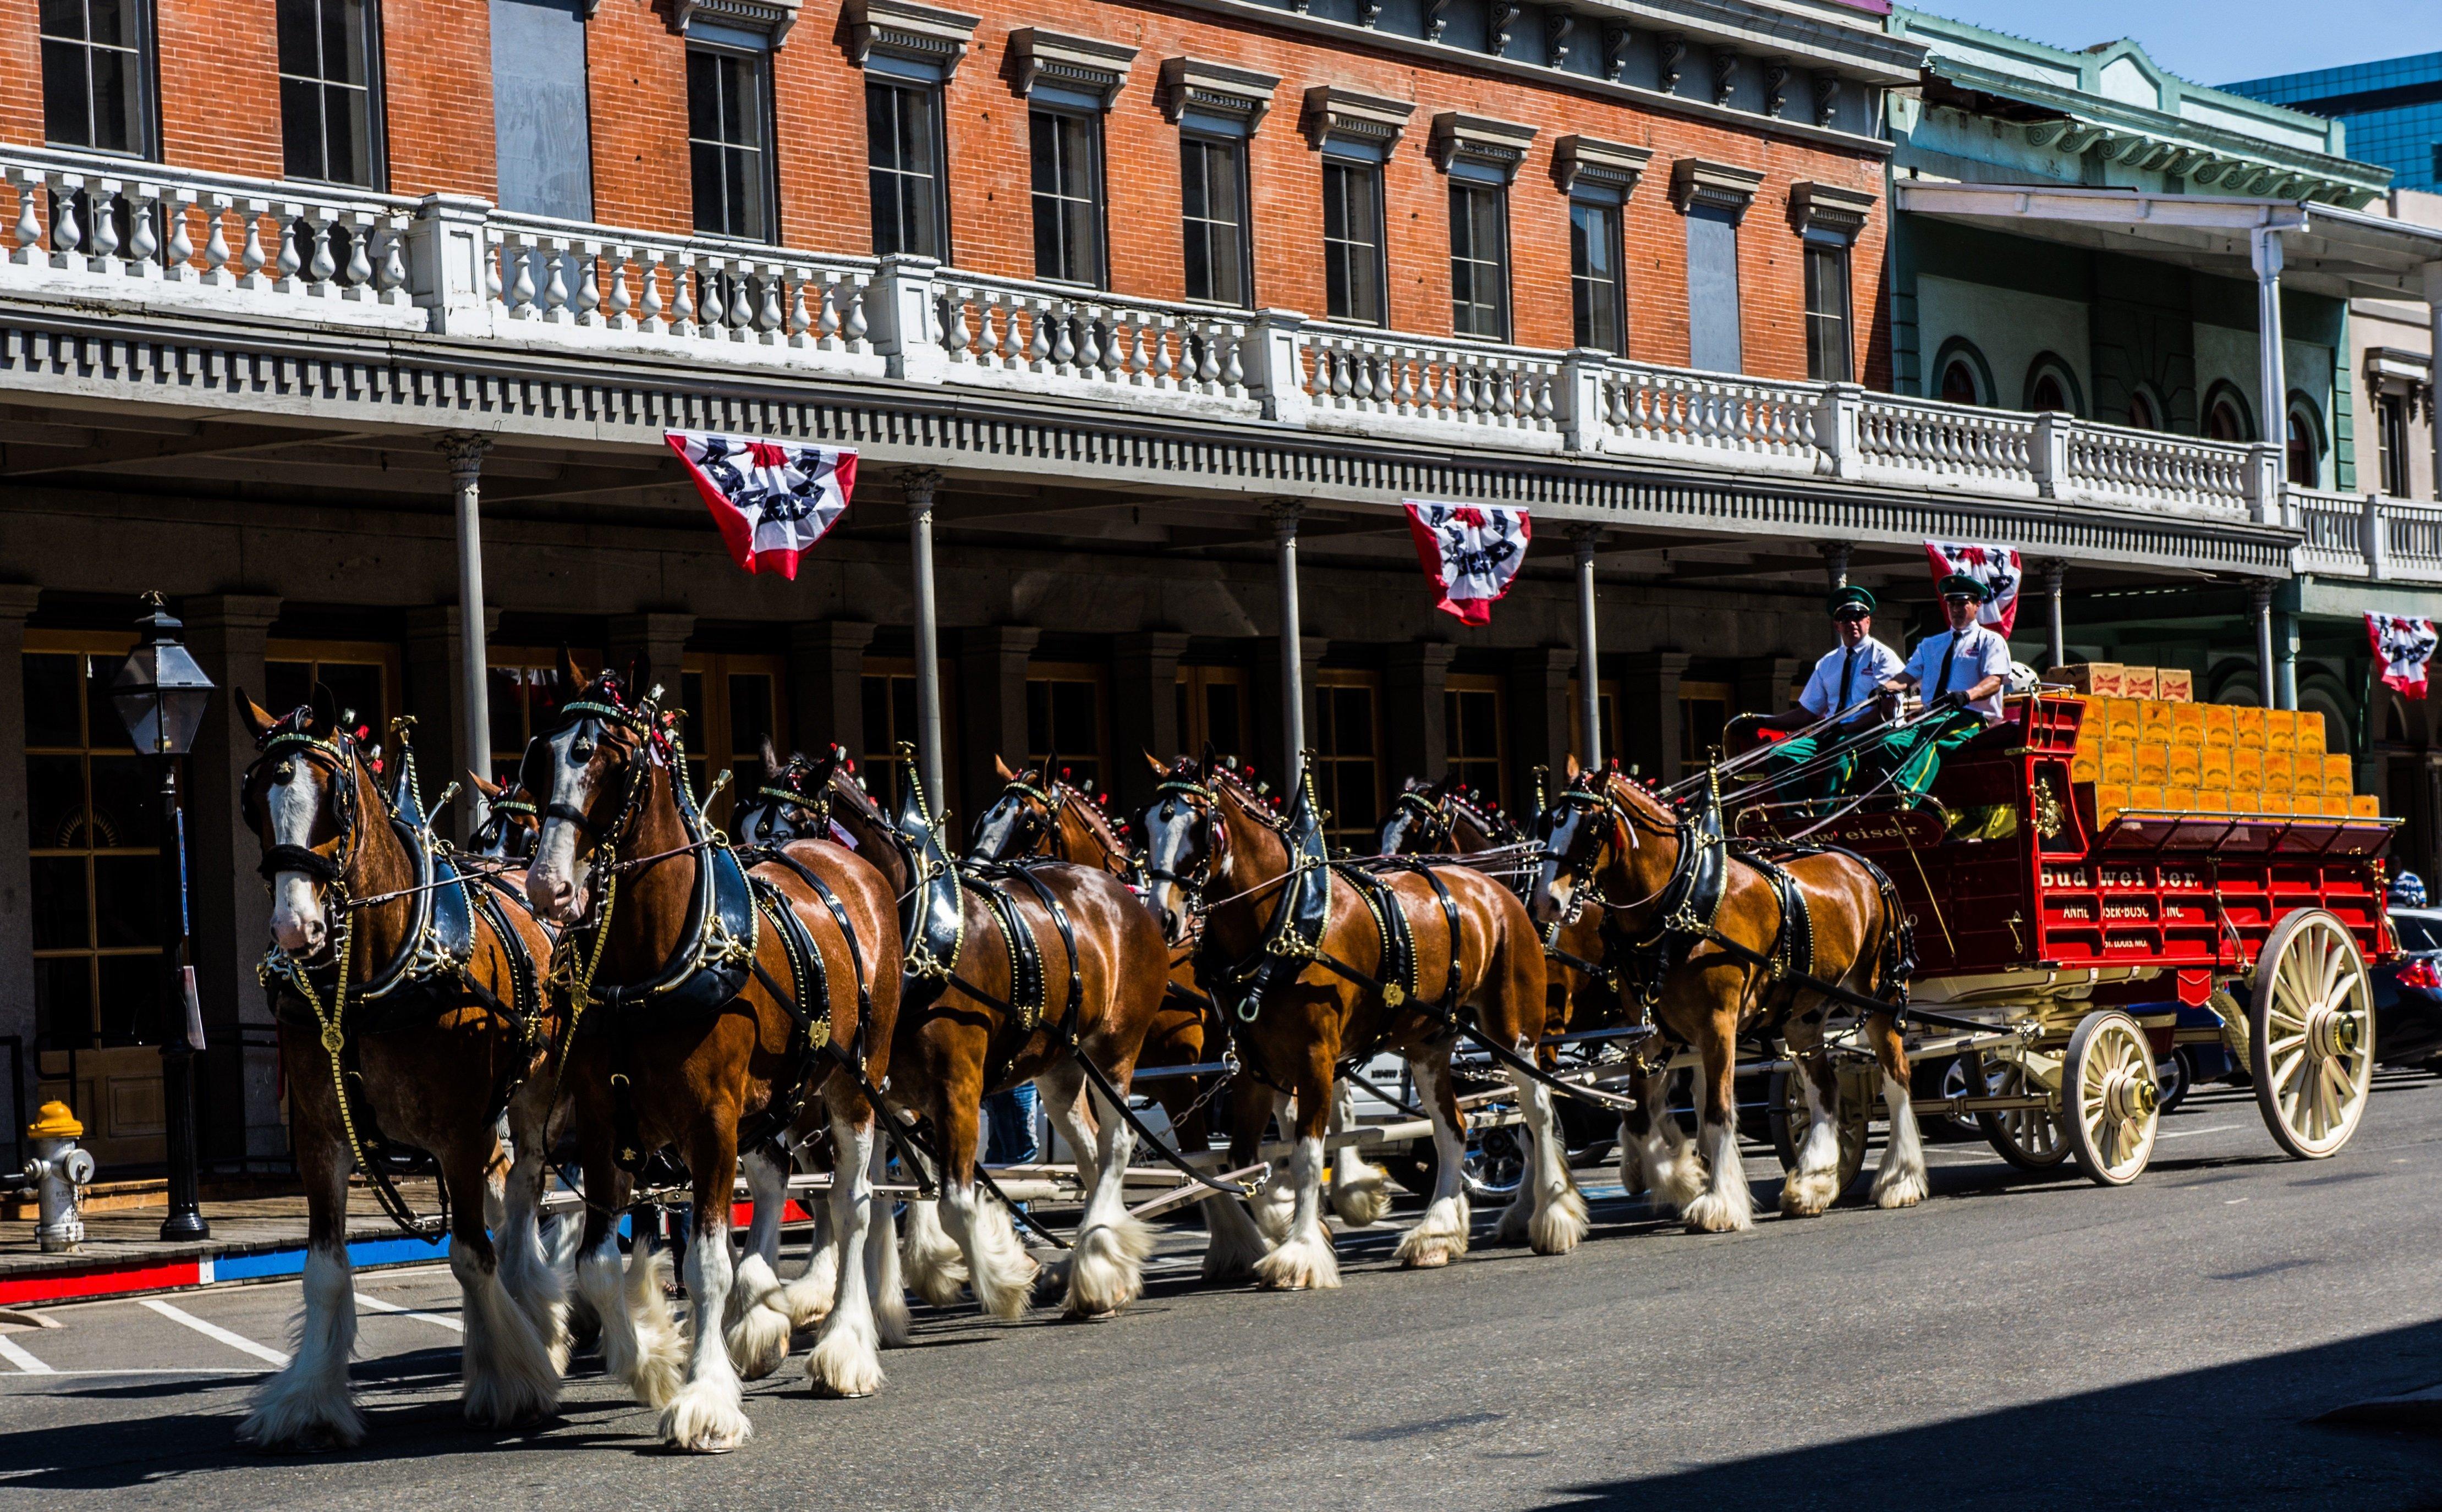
(2418, 928)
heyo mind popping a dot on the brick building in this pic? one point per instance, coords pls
(1124, 304)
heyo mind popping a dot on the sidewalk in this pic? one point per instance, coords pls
(253, 1238)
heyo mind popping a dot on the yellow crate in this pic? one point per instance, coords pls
(2118, 764)
(2247, 726)
(2281, 772)
(2336, 787)
(2153, 762)
(2219, 728)
(2145, 795)
(2278, 802)
(2183, 766)
(2246, 766)
(2212, 800)
(2085, 765)
(2281, 729)
(2154, 722)
(2119, 718)
(2213, 766)
(2179, 799)
(2340, 769)
(2188, 724)
(2109, 798)
(2309, 730)
(2336, 805)
(2365, 805)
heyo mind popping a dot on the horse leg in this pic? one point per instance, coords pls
(1555, 1210)
(1727, 1203)
(1901, 1180)
(999, 1271)
(1235, 1242)
(528, 1270)
(846, 1360)
(1106, 1270)
(807, 1301)
(1672, 1174)
(883, 1282)
(1360, 1191)
(509, 1373)
(1276, 1204)
(1063, 1094)
(640, 1345)
(758, 1340)
(1440, 1235)
(1304, 1258)
(935, 1265)
(308, 1405)
(1814, 1185)
(708, 1415)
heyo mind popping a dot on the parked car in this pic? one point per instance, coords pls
(2408, 994)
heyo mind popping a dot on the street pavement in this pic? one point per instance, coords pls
(2017, 1341)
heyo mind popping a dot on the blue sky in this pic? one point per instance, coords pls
(2215, 42)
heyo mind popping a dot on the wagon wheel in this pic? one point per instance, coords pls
(2109, 1100)
(2310, 1034)
(2030, 1139)
(1786, 1118)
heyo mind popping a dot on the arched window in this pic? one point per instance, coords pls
(2226, 416)
(2052, 387)
(2305, 468)
(1960, 374)
(2145, 410)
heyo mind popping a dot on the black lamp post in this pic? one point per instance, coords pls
(160, 696)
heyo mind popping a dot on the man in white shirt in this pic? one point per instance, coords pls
(1847, 676)
(1961, 672)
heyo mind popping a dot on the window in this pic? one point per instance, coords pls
(540, 107)
(889, 718)
(2226, 416)
(902, 136)
(1068, 197)
(1471, 717)
(1063, 718)
(1959, 382)
(731, 702)
(2045, 395)
(2144, 410)
(2391, 441)
(728, 123)
(1704, 709)
(97, 75)
(1713, 339)
(2051, 389)
(326, 95)
(1479, 217)
(1595, 276)
(1213, 185)
(1826, 312)
(1352, 240)
(362, 677)
(1347, 772)
(1211, 708)
(2306, 443)
(522, 695)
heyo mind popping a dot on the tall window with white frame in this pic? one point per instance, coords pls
(1212, 213)
(903, 131)
(1352, 240)
(729, 132)
(1478, 229)
(2391, 441)
(1826, 310)
(328, 102)
(97, 75)
(1068, 229)
(1596, 285)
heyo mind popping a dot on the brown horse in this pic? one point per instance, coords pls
(1757, 963)
(707, 998)
(394, 976)
(1306, 954)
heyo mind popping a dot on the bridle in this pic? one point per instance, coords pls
(785, 795)
(339, 762)
(1205, 803)
(1038, 814)
(1621, 837)
(1438, 826)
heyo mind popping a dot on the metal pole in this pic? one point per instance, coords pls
(465, 450)
(2265, 242)
(2262, 594)
(1835, 563)
(2054, 574)
(920, 484)
(2285, 661)
(181, 1027)
(1583, 538)
(1284, 526)
(2433, 390)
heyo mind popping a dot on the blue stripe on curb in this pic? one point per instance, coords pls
(267, 1263)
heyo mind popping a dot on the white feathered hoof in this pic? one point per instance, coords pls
(1560, 1226)
(660, 1366)
(807, 1299)
(1275, 1209)
(1001, 1272)
(845, 1364)
(1438, 1238)
(1718, 1211)
(1676, 1180)
(705, 1418)
(1106, 1267)
(1362, 1199)
(302, 1422)
(1236, 1244)
(1305, 1262)
(758, 1341)
(1901, 1187)
(934, 1266)
(1807, 1193)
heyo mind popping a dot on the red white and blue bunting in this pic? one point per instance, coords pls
(1471, 551)
(2403, 649)
(1996, 567)
(771, 498)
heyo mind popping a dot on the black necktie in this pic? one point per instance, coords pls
(1941, 683)
(1848, 666)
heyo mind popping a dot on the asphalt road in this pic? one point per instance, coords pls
(2015, 1342)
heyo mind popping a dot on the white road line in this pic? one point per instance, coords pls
(239, 1341)
(155, 1371)
(365, 1299)
(2183, 1134)
(15, 1355)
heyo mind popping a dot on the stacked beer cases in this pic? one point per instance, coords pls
(2163, 756)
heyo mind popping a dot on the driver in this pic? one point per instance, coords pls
(1961, 672)
(1845, 678)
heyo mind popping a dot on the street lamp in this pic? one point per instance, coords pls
(160, 696)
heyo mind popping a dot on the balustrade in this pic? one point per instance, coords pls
(1652, 410)
(1347, 374)
(1029, 336)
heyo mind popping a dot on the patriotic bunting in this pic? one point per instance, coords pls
(771, 498)
(1471, 551)
(1996, 567)
(2403, 648)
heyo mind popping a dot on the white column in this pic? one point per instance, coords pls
(920, 483)
(2055, 573)
(2272, 384)
(1285, 514)
(465, 450)
(2265, 678)
(2433, 347)
(1835, 563)
(1582, 537)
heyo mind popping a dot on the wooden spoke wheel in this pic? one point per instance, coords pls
(2310, 1034)
(2109, 1098)
(2030, 1139)
(1786, 1119)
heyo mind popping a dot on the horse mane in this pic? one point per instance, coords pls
(1073, 797)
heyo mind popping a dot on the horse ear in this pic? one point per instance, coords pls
(1002, 767)
(326, 709)
(819, 770)
(1209, 759)
(771, 762)
(489, 789)
(1154, 761)
(258, 719)
(1572, 769)
(571, 680)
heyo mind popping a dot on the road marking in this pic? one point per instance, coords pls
(2233, 1202)
(15, 1355)
(238, 1341)
(365, 1299)
(2182, 1134)
(156, 1371)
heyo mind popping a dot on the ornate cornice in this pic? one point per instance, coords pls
(1080, 63)
(903, 28)
(1499, 146)
(1370, 119)
(1716, 185)
(1590, 160)
(775, 17)
(1830, 208)
(1195, 83)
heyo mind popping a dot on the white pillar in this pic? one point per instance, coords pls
(465, 450)
(2433, 347)
(1285, 514)
(2055, 573)
(920, 483)
(1582, 537)
(2266, 680)
(1836, 562)
(2272, 384)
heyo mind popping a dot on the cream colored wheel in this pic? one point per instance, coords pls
(2310, 1034)
(2030, 1139)
(2109, 1097)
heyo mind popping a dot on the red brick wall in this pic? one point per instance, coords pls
(638, 68)
(220, 86)
(437, 58)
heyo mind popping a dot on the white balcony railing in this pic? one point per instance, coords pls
(104, 233)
